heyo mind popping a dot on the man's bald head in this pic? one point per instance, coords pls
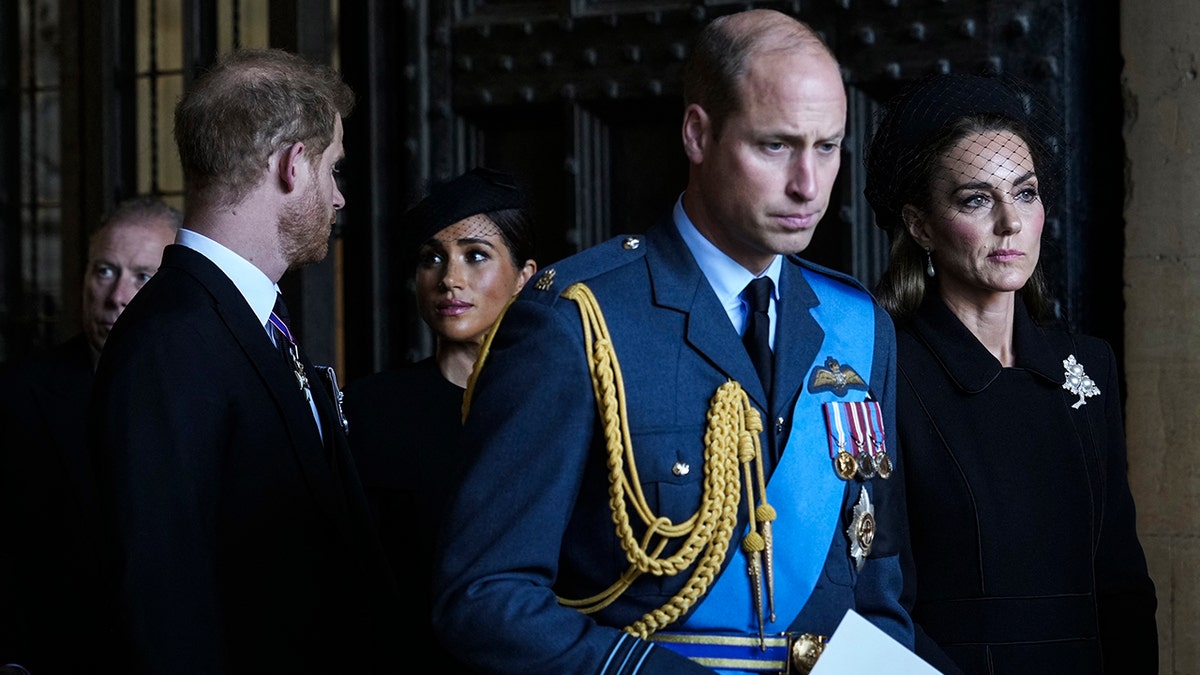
(724, 49)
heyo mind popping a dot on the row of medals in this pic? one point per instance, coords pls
(867, 464)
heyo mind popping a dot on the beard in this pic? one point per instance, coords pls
(304, 230)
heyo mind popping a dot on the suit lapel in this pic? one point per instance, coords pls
(797, 336)
(337, 448)
(351, 500)
(273, 371)
(678, 283)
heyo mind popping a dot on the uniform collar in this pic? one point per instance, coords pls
(726, 276)
(967, 362)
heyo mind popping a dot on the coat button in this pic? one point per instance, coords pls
(631, 243)
(681, 469)
(778, 425)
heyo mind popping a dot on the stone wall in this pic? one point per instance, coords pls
(1162, 297)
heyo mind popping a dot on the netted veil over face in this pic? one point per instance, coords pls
(465, 200)
(958, 125)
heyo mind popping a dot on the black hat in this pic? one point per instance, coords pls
(478, 191)
(914, 118)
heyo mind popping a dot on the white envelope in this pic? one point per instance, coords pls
(858, 646)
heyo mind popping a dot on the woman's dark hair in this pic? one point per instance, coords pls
(516, 229)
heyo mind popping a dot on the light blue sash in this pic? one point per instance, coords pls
(805, 491)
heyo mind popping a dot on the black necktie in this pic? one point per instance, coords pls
(757, 337)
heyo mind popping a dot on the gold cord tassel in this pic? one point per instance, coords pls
(754, 543)
(766, 514)
(753, 546)
(762, 516)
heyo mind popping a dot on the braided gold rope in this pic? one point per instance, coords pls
(731, 440)
(732, 430)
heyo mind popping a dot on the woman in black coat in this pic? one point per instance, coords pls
(472, 237)
(1024, 554)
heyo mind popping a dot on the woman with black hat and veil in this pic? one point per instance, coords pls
(1024, 557)
(472, 237)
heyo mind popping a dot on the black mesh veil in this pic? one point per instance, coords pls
(464, 201)
(951, 145)
(924, 121)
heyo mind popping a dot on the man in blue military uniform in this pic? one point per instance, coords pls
(679, 445)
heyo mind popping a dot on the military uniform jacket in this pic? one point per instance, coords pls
(240, 541)
(1025, 553)
(532, 517)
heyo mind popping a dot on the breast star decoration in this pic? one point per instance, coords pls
(1078, 382)
(862, 529)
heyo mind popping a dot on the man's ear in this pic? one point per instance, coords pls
(917, 225)
(697, 133)
(287, 166)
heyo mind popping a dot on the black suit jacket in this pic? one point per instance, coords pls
(242, 541)
(48, 560)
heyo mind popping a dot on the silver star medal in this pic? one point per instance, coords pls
(298, 371)
(862, 529)
(1078, 382)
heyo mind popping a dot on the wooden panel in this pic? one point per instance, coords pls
(12, 290)
(530, 143)
(581, 97)
(385, 59)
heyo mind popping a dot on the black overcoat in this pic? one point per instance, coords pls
(1025, 558)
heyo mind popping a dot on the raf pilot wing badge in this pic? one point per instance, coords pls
(835, 377)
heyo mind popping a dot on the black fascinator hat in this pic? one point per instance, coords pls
(477, 192)
(910, 128)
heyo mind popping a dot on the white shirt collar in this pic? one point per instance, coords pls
(726, 276)
(258, 289)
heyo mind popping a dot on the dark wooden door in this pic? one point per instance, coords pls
(580, 98)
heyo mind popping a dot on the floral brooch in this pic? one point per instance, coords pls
(1078, 382)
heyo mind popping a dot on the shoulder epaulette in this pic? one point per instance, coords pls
(589, 263)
